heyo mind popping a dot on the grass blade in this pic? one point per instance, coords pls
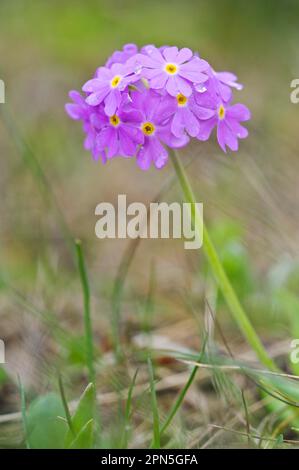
(87, 316)
(182, 394)
(246, 416)
(128, 412)
(65, 405)
(155, 411)
(23, 411)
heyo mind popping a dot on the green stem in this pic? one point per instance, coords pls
(220, 275)
(87, 316)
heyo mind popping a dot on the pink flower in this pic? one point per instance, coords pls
(121, 57)
(225, 82)
(173, 69)
(107, 86)
(119, 134)
(155, 111)
(187, 116)
(79, 110)
(141, 103)
(227, 120)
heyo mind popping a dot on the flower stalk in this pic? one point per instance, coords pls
(218, 271)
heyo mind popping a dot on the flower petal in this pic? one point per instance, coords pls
(229, 79)
(158, 81)
(126, 145)
(93, 85)
(225, 92)
(134, 133)
(171, 140)
(158, 153)
(201, 112)
(225, 137)
(205, 128)
(193, 75)
(76, 97)
(191, 123)
(144, 157)
(172, 86)
(165, 109)
(103, 73)
(170, 53)
(239, 131)
(177, 124)
(131, 115)
(155, 54)
(112, 102)
(152, 73)
(96, 98)
(113, 145)
(184, 55)
(183, 86)
(196, 65)
(238, 111)
(104, 137)
(74, 111)
(89, 141)
(221, 135)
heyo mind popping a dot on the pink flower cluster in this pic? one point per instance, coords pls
(140, 102)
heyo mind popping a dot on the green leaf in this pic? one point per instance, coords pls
(83, 414)
(46, 429)
(84, 439)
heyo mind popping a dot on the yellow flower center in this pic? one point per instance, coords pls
(114, 120)
(148, 128)
(181, 99)
(115, 81)
(171, 69)
(221, 112)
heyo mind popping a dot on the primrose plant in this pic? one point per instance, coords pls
(146, 103)
(142, 102)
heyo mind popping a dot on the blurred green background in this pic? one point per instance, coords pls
(250, 199)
